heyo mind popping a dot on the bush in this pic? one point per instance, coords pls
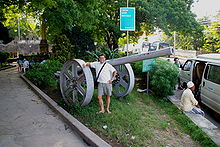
(4, 56)
(42, 75)
(137, 68)
(163, 77)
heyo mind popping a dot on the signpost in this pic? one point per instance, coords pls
(127, 20)
(146, 67)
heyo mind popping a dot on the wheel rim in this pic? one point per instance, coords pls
(76, 83)
(124, 82)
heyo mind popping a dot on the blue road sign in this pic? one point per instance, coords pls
(127, 19)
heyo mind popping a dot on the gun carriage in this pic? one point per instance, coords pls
(77, 82)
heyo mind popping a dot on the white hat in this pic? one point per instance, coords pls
(190, 84)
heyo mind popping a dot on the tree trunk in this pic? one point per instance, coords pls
(43, 42)
(111, 40)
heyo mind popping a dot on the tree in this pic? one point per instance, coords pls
(212, 36)
(62, 49)
(3, 57)
(4, 35)
(101, 17)
(15, 17)
(164, 14)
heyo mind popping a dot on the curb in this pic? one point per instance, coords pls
(208, 127)
(4, 68)
(90, 137)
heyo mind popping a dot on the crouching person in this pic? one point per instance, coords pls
(188, 102)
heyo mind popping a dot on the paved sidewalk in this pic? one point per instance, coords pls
(209, 128)
(25, 121)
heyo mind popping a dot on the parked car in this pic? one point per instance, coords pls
(204, 71)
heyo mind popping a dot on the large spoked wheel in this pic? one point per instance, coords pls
(124, 82)
(76, 83)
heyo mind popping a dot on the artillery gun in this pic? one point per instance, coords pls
(77, 81)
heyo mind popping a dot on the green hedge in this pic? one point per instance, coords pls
(4, 56)
(164, 76)
(42, 75)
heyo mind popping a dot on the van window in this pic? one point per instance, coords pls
(213, 74)
(187, 65)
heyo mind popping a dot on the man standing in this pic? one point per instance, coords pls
(106, 76)
(178, 65)
(188, 102)
(177, 62)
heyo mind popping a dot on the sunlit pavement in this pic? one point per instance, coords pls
(25, 121)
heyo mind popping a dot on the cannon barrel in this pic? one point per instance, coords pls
(139, 57)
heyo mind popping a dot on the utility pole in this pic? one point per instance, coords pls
(19, 31)
(174, 40)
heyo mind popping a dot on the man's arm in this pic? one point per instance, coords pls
(87, 64)
(113, 76)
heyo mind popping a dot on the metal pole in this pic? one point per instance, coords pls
(127, 42)
(147, 82)
(19, 31)
(127, 35)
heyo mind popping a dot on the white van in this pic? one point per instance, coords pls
(204, 71)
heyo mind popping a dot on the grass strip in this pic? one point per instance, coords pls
(140, 120)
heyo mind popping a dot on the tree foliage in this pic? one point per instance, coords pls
(62, 49)
(212, 38)
(4, 34)
(167, 15)
(101, 17)
(81, 41)
(42, 75)
(4, 56)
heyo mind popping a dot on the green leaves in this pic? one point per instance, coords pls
(62, 49)
(212, 38)
(163, 77)
(4, 56)
(42, 75)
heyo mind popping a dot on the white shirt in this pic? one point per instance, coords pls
(106, 73)
(26, 64)
(187, 100)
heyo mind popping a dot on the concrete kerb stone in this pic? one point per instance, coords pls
(7, 67)
(209, 128)
(90, 137)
